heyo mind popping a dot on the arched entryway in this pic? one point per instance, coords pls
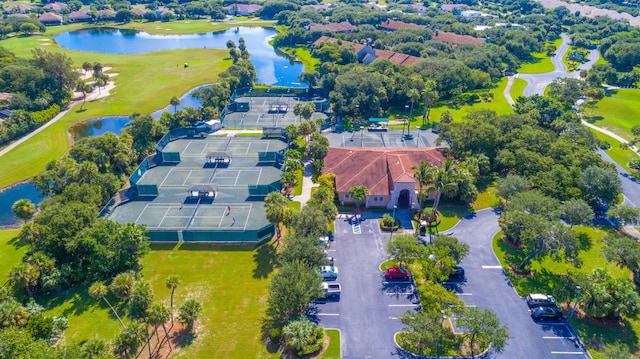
(404, 199)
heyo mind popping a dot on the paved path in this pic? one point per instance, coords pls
(307, 184)
(590, 11)
(630, 186)
(507, 91)
(610, 134)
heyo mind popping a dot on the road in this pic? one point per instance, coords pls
(536, 83)
(630, 186)
(487, 286)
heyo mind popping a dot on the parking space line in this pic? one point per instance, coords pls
(571, 338)
(397, 282)
(464, 294)
(388, 293)
(471, 306)
(491, 267)
(547, 323)
(328, 314)
(568, 353)
(403, 305)
(396, 318)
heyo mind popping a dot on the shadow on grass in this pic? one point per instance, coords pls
(485, 182)
(610, 92)
(595, 335)
(16, 242)
(200, 247)
(593, 119)
(265, 260)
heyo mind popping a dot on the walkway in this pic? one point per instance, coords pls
(307, 184)
(610, 134)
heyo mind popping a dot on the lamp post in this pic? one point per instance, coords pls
(417, 139)
(393, 224)
(361, 136)
(579, 288)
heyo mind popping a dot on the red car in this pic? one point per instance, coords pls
(397, 273)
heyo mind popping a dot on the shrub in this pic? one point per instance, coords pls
(605, 145)
(275, 335)
(387, 221)
(635, 164)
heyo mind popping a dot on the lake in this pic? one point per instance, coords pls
(272, 68)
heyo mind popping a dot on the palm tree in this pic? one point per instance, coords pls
(297, 109)
(99, 290)
(293, 165)
(430, 95)
(129, 340)
(288, 180)
(422, 175)
(87, 66)
(175, 101)
(24, 275)
(189, 312)
(358, 194)
(298, 334)
(23, 209)
(442, 179)
(172, 282)
(159, 314)
(275, 206)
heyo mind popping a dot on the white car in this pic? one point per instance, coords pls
(329, 272)
(324, 241)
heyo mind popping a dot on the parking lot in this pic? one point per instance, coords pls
(369, 308)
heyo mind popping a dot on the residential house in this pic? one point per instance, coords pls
(243, 9)
(164, 12)
(18, 8)
(421, 9)
(367, 54)
(470, 13)
(106, 15)
(344, 27)
(393, 25)
(386, 172)
(456, 39)
(138, 12)
(79, 16)
(373, 6)
(319, 7)
(452, 7)
(58, 7)
(49, 18)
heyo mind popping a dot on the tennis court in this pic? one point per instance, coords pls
(256, 112)
(394, 138)
(194, 198)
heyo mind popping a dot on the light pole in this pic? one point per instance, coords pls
(579, 288)
(417, 139)
(393, 224)
(361, 136)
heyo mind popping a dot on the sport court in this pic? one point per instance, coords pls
(256, 112)
(207, 189)
(392, 138)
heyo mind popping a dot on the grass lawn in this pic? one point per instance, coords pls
(487, 197)
(551, 275)
(232, 283)
(450, 215)
(620, 155)
(333, 350)
(618, 112)
(192, 26)
(297, 190)
(540, 63)
(11, 251)
(499, 105)
(153, 77)
(295, 205)
(303, 53)
(517, 90)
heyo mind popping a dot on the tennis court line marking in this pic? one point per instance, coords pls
(164, 216)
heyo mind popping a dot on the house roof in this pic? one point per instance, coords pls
(19, 8)
(373, 6)
(5, 96)
(394, 25)
(138, 11)
(456, 39)
(319, 6)
(451, 7)
(421, 8)
(395, 57)
(49, 17)
(106, 13)
(376, 168)
(344, 26)
(78, 15)
(248, 8)
(55, 6)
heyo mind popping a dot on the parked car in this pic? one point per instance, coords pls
(328, 258)
(542, 313)
(331, 290)
(329, 272)
(456, 275)
(324, 241)
(397, 273)
(540, 300)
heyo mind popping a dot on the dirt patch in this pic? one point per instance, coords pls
(178, 337)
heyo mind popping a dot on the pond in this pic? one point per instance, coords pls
(272, 68)
(115, 124)
(9, 195)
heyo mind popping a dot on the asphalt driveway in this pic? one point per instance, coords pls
(369, 307)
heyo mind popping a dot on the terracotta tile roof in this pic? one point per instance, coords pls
(376, 168)
(318, 6)
(19, 8)
(384, 54)
(456, 39)
(344, 26)
(79, 16)
(395, 57)
(421, 8)
(393, 25)
(139, 12)
(398, 58)
(244, 8)
(373, 6)
(411, 60)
